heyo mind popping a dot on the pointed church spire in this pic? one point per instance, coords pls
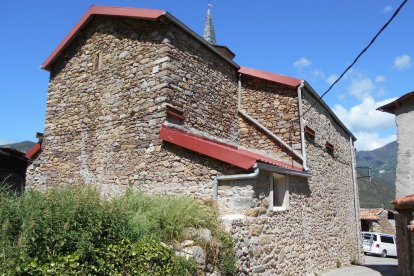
(209, 34)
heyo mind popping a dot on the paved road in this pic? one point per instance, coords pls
(373, 266)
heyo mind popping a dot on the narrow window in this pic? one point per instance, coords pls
(97, 61)
(309, 133)
(279, 192)
(174, 113)
(329, 148)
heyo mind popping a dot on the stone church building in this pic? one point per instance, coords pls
(136, 98)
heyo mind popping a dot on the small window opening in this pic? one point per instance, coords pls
(97, 61)
(309, 133)
(279, 195)
(329, 148)
(174, 113)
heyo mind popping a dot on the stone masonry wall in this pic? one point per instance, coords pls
(319, 229)
(275, 107)
(106, 103)
(405, 242)
(203, 85)
(102, 124)
(332, 185)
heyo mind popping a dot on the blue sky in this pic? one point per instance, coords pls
(312, 40)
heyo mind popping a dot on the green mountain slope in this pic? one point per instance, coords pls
(21, 146)
(380, 190)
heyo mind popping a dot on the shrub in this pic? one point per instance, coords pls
(168, 216)
(227, 257)
(72, 230)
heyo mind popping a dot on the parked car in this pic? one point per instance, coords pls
(379, 244)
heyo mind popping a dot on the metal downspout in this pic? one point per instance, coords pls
(259, 125)
(356, 205)
(252, 175)
(302, 126)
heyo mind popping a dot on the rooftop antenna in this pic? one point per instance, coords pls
(209, 34)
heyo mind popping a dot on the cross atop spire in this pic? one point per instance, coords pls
(209, 34)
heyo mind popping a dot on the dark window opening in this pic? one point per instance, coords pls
(174, 113)
(329, 148)
(97, 61)
(309, 133)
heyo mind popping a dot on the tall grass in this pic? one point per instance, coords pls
(41, 227)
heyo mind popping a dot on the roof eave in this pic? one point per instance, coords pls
(272, 168)
(394, 105)
(322, 102)
(199, 39)
(268, 76)
(145, 14)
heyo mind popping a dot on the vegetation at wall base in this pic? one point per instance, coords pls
(73, 230)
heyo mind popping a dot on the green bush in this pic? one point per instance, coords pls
(72, 230)
(146, 257)
(166, 215)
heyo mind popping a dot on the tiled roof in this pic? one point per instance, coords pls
(370, 214)
(406, 202)
(224, 152)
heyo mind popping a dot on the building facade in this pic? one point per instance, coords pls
(403, 109)
(137, 99)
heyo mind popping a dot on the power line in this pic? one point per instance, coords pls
(360, 54)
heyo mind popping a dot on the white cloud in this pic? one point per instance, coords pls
(402, 62)
(318, 74)
(361, 87)
(331, 79)
(367, 123)
(380, 78)
(364, 117)
(387, 9)
(302, 63)
(372, 140)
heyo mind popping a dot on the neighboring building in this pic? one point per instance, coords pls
(377, 220)
(405, 234)
(138, 99)
(403, 109)
(13, 164)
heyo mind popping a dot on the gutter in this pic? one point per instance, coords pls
(355, 188)
(302, 126)
(252, 175)
(280, 170)
(259, 125)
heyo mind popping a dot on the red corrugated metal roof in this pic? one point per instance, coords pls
(289, 81)
(101, 10)
(227, 153)
(33, 151)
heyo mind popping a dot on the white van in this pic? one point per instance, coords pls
(380, 244)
